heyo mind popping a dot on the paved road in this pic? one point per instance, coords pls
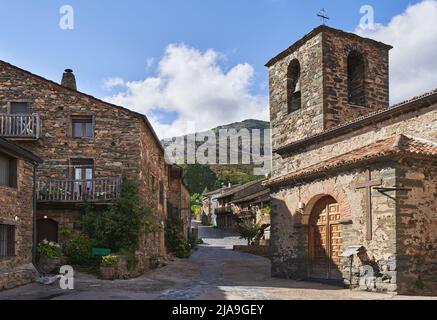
(214, 271)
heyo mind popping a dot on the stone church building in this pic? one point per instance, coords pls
(354, 181)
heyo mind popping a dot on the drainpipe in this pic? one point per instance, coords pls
(34, 246)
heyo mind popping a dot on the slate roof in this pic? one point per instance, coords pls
(394, 146)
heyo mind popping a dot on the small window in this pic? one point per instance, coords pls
(293, 86)
(161, 192)
(83, 127)
(8, 171)
(19, 108)
(7, 241)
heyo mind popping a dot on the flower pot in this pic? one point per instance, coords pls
(108, 272)
(48, 264)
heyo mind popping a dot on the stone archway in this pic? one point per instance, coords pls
(325, 240)
(46, 229)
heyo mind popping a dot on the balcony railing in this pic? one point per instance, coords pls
(223, 210)
(23, 126)
(93, 190)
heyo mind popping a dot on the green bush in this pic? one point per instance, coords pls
(49, 249)
(132, 260)
(121, 224)
(153, 262)
(79, 249)
(175, 240)
(248, 230)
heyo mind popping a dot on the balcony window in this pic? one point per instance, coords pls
(83, 173)
(7, 241)
(83, 127)
(8, 171)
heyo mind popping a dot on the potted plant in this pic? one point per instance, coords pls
(108, 267)
(49, 256)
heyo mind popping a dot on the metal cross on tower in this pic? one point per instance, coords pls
(323, 15)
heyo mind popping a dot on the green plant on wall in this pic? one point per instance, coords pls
(175, 240)
(121, 224)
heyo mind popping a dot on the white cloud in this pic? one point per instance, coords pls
(413, 67)
(110, 83)
(195, 86)
(149, 63)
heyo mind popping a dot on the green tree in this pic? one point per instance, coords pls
(198, 177)
(248, 230)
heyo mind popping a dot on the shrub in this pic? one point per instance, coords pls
(120, 225)
(132, 260)
(175, 240)
(79, 249)
(109, 261)
(153, 262)
(49, 249)
(248, 230)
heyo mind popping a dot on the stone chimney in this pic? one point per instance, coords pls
(68, 79)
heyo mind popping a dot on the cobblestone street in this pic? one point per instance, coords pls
(213, 271)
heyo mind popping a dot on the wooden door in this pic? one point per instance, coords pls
(46, 229)
(325, 241)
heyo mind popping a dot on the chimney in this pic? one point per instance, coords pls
(68, 79)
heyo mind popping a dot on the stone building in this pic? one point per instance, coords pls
(210, 204)
(178, 203)
(87, 145)
(247, 202)
(353, 187)
(17, 214)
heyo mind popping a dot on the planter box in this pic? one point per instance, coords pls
(109, 272)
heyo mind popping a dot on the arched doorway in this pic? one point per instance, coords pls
(325, 240)
(46, 229)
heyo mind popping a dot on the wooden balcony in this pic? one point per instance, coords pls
(20, 126)
(223, 210)
(104, 190)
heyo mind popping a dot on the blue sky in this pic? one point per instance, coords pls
(126, 40)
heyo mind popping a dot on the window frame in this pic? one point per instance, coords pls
(10, 103)
(13, 171)
(82, 119)
(294, 79)
(10, 239)
(350, 99)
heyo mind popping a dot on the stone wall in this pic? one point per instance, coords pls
(309, 119)
(16, 208)
(417, 228)
(179, 197)
(336, 48)
(289, 224)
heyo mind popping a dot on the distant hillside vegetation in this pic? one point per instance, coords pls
(200, 177)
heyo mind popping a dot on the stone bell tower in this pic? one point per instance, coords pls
(326, 79)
